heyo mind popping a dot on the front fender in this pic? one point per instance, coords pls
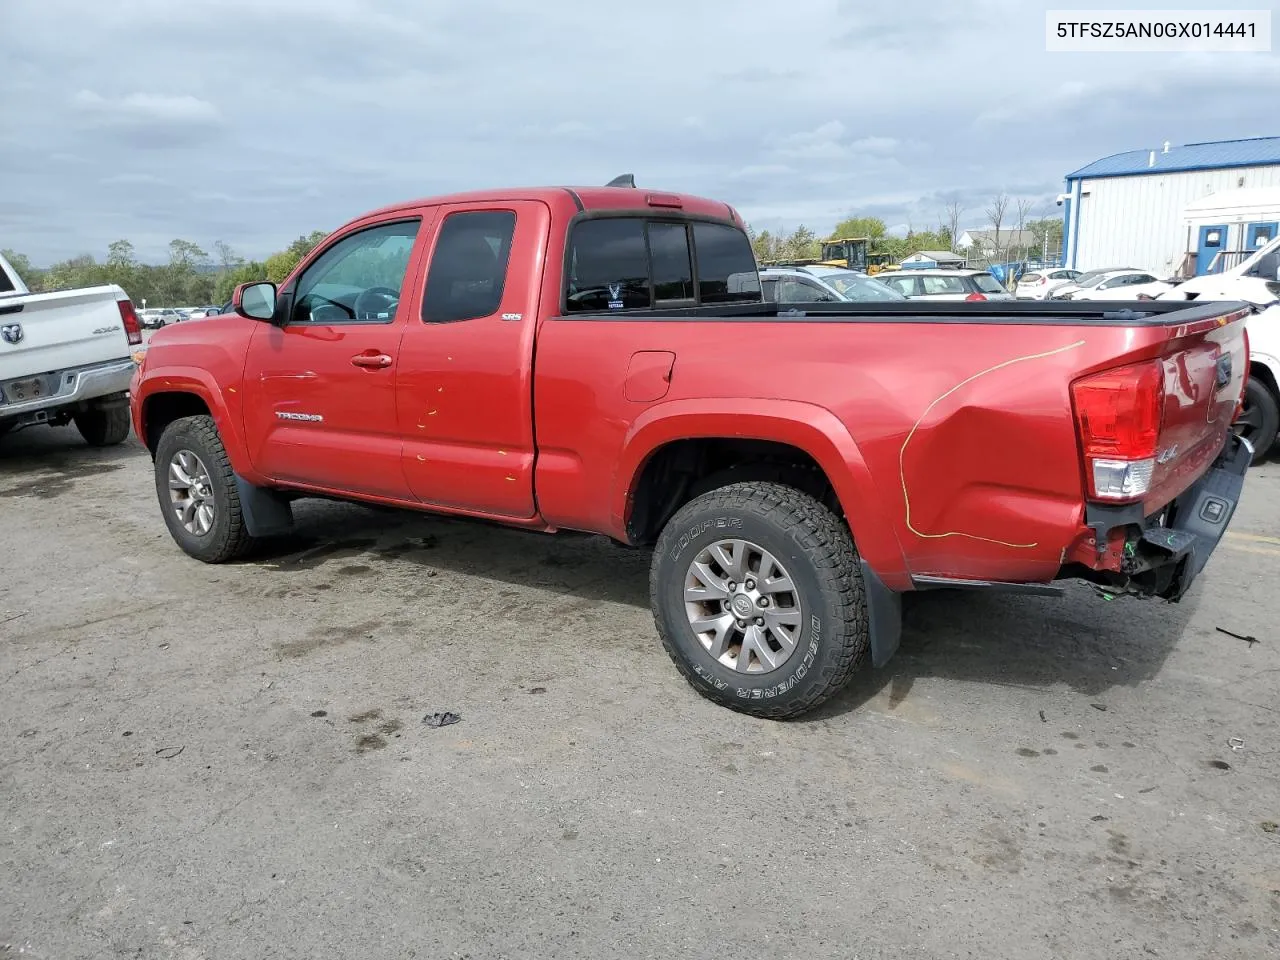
(223, 404)
(806, 426)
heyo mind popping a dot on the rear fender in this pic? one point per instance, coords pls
(808, 427)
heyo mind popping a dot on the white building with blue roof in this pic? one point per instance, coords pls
(1142, 208)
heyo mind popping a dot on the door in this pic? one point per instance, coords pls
(1212, 240)
(320, 409)
(465, 383)
(1258, 235)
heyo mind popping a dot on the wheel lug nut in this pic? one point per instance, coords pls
(751, 584)
(732, 586)
(742, 624)
(763, 601)
(759, 621)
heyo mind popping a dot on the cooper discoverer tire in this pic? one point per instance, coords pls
(758, 598)
(103, 426)
(197, 491)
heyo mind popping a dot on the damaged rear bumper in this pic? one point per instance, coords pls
(1164, 553)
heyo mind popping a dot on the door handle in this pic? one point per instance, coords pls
(371, 360)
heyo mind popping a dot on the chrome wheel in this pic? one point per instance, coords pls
(191, 492)
(743, 606)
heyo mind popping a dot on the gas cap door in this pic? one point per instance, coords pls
(649, 375)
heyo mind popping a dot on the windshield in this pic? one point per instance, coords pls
(1090, 280)
(988, 284)
(853, 287)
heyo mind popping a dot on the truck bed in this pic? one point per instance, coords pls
(957, 418)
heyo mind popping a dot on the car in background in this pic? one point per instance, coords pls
(197, 313)
(1126, 284)
(822, 284)
(1086, 280)
(946, 284)
(153, 318)
(1038, 284)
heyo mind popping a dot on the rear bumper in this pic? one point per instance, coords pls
(1165, 553)
(75, 386)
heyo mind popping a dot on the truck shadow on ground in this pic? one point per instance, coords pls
(1079, 640)
(46, 462)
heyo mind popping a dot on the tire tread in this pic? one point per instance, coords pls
(827, 542)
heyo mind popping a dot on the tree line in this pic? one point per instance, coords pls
(1006, 224)
(191, 276)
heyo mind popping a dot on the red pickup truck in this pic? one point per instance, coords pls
(600, 359)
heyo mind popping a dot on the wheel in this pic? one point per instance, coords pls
(758, 598)
(1259, 420)
(197, 491)
(103, 426)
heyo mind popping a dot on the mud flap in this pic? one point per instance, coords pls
(266, 513)
(884, 616)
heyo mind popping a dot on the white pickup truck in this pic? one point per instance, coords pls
(1255, 281)
(66, 356)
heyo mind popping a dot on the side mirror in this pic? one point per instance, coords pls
(257, 301)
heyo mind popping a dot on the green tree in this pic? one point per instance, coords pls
(22, 267)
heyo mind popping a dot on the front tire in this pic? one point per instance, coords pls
(103, 426)
(1259, 420)
(197, 491)
(758, 598)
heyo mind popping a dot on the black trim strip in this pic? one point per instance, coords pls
(11, 308)
(577, 200)
(1146, 313)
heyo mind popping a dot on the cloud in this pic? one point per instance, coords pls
(145, 108)
(255, 122)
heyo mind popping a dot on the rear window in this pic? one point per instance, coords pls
(934, 286)
(608, 266)
(724, 255)
(627, 263)
(987, 283)
(669, 259)
(1031, 278)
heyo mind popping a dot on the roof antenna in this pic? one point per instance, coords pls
(626, 180)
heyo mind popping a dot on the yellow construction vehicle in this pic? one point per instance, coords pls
(850, 252)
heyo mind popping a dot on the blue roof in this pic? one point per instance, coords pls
(1258, 151)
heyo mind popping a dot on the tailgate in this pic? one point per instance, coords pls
(57, 331)
(1205, 363)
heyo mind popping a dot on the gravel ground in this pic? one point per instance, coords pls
(222, 762)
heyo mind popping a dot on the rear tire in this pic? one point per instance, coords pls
(1260, 419)
(103, 426)
(694, 583)
(197, 491)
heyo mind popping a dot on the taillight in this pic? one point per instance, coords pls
(976, 296)
(129, 317)
(1118, 415)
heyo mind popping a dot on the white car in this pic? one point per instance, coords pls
(1038, 284)
(1255, 281)
(1114, 285)
(944, 284)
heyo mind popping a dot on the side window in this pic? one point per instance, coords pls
(358, 279)
(608, 266)
(468, 268)
(904, 285)
(724, 258)
(769, 289)
(669, 262)
(934, 286)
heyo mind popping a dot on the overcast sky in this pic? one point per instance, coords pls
(253, 121)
